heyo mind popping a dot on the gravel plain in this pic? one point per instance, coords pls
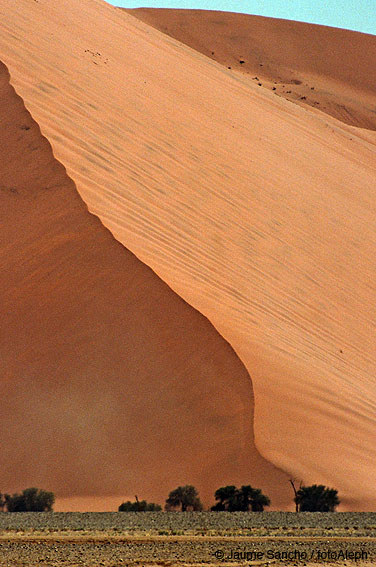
(187, 539)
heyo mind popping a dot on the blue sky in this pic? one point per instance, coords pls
(360, 15)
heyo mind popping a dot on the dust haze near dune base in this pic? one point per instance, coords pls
(259, 213)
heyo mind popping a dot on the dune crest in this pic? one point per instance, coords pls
(257, 212)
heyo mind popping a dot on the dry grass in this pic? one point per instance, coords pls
(185, 540)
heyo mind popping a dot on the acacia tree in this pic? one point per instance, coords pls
(226, 496)
(316, 498)
(242, 499)
(30, 500)
(184, 497)
(258, 500)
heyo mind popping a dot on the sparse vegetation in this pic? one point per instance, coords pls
(139, 506)
(184, 497)
(92, 539)
(316, 498)
(244, 499)
(30, 500)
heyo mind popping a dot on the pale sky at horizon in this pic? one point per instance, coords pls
(359, 16)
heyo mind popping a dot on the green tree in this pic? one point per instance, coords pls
(139, 506)
(316, 498)
(226, 497)
(184, 497)
(30, 500)
(246, 498)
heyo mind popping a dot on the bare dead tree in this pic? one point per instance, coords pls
(292, 481)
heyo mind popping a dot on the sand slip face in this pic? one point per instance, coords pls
(258, 213)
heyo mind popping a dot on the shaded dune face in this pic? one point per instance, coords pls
(112, 384)
(331, 70)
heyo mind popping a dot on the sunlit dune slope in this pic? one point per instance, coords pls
(332, 70)
(112, 384)
(258, 212)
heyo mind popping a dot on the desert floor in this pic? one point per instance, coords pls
(187, 539)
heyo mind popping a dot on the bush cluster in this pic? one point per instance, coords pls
(315, 498)
(30, 500)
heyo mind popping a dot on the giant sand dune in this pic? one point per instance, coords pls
(113, 384)
(257, 213)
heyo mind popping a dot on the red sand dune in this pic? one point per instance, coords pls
(257, 212)
(113, 384)
(331, 70)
